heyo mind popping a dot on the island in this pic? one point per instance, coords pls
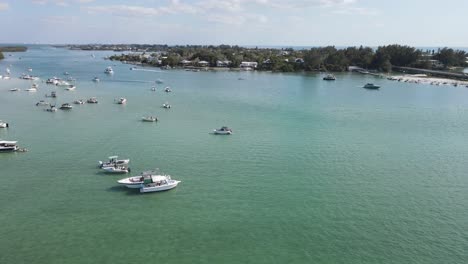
(11, 49)
(330, 58)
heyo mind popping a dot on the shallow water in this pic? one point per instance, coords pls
(315, 172)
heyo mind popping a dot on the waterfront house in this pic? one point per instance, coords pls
(185, 62)
(225, 63)
(249, 64)
(203, 63)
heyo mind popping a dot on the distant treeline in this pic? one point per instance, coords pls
(13, 48)
(289, 60)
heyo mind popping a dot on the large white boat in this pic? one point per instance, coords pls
(92, 100)
(223, 131)
(109, 70)
(8, 146)
(149, 181)
(71, 88)
(116, 169)
(3, 124)
(159, 183)
(113, 160)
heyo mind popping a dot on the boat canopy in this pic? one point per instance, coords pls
(113, 157)
(158, 178)
(8, 142)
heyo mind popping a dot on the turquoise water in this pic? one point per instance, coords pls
(316, 172)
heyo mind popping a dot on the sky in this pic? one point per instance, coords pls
(422, 23)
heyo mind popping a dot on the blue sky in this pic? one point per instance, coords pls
(242, 22)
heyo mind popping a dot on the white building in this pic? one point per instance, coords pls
(249, 64)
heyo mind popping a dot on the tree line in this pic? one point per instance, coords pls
(327, 58)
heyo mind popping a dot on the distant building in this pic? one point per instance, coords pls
(249, 64)
(299, 60)
(224, 63)
(185, 62)
(203, 63)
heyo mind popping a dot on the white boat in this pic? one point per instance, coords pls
(167, 89)
(53, 80)
(32, 89)
(66, 73)
(52, 94)
(149, 181)
(3, 124)
(52, 109)
(71, 88)
(149, 119)
(8, 146)
(166, 105)
(92, 100)
(113, 160)
(62, 83)
(109, 70)
(6, 77)
(14, 90)
(159, 183)
(30, 69)
(122, 101)
(42, 103)
(223, 131)
(116, 169)
(66, 106)
(153, 89)
(96, 79)
(80, 101)
(329, 77)
(7, 71)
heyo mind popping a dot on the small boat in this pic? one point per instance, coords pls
(62, 83)
(329, 77)
(32, 89)
(66, 106)
(109, 70)
(371, 86)
(159, 183)
(122, 101)
(149, 119)
(96, 79)
(159, 81)
(52, 109)
(8, 146)
(71, 88)
(42, 103)
(53, 80)
(71, 79)
(6, 77)
(3, 124)
(14, 90)
(166, 105)
(66, 73)
(153, 89)
(113, 160)
(116, 169)
(167, 89)
(223, 131)
(30, 69)
(80, 102)
(52, 94)
(92, 100)
(133, 68)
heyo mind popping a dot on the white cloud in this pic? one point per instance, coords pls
(4, 6)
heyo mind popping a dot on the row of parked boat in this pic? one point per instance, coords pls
(148, 181)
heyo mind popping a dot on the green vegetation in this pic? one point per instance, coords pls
(289, 60)
(13, 48)
(1, 56)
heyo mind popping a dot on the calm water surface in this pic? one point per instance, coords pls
(316, 172)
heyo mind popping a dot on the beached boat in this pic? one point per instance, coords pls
(109, 70)
(71, 88)
(329, 77)
(92, 100)
(3, 124)
(66, 106)
(371, 86)
(116, 169)
(113, 160)
(80, 102)
(8, 146)
(96, 79)
(223, 131)
(166, 105)
(122, 101)
(149, 119)
(42, 103)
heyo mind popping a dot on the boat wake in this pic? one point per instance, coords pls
(147, 70)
